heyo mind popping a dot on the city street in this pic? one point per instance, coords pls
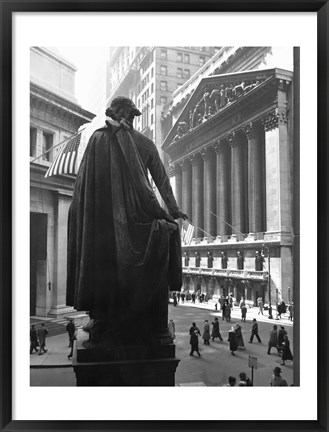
(212, 369)
(217, 362)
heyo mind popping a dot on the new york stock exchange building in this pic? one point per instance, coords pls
(231, 166)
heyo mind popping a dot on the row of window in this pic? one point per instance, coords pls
(183, 57)
(47, 144)
(145, 80)
(180, 73)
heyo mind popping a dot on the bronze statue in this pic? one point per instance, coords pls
(124, 249)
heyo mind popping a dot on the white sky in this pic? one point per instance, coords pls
(90, 62)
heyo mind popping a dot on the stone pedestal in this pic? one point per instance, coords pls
(140, 365)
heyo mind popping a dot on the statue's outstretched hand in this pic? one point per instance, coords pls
(179, 215)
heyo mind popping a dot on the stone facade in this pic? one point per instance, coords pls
(230, 153)
(54, 117)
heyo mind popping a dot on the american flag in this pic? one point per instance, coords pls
(66, 159)
(187, 233)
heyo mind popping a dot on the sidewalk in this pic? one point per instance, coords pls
(58, 348)
(56, 356)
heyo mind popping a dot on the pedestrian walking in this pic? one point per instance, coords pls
(193, 328)
(206, 333)
(231, 381)
(254, 331)
(277, 379)
(260, 305)
(171, 328)
(222, 306)
(243, 313)
(175, 298)
(291, 311)
(232, 340)
(215, 333)
(286, 353)
(33, 340)
(281, 334)
(193, 297)
(239, 337)
(227, 312)
(194, 342)
(70, 328)
(178, 296)
(182, 296)
(42, 334)
(71, 345)
(273, 341)
(244, 380)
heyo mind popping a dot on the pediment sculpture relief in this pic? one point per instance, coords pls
(211, 102)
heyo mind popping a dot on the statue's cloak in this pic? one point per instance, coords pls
(121, 252)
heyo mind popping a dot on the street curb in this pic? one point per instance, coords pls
(53, 366)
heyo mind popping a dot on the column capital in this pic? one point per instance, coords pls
(195, 159)
(232, 139)
(272, 119)
(205, 153)
(218, 147)
(172, 170)
(249, 130)
(185, 164)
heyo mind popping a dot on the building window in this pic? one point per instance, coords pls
(163, 100)
(152, 119)
(179, 57)
(152, 72)
(152, 103)
(47, 143)
(202, 61)
(163, 86)
(186, 58)
(33, 141)
(179, 73)
(187, 73)
(163, 70)
(163, 54)
(152, 88)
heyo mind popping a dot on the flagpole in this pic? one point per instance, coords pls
(53, 147)
(235, 229)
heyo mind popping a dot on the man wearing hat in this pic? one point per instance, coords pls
(123, 247)
(277, 379)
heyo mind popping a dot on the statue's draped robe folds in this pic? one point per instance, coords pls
(121, 253)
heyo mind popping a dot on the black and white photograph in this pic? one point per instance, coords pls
(165, 216)
(171, 201)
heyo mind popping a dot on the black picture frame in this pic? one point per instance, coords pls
(7, 8)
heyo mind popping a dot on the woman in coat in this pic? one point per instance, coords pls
(194, 341)
(206, 333)
(215, 330)
(281, 334)
(286, 353)
(232, 340)
(239, 337)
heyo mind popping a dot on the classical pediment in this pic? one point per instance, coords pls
(216, 95)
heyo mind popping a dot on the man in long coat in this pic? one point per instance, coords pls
(123, 247)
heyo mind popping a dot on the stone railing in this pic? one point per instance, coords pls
(231, 273)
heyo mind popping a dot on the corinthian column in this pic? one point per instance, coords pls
(237, 171)
(209, 189)
(187, 187)
(178, 184)
(255, 177)
(223, 189)
(197, 193)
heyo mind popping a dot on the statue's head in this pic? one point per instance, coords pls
(122, 108)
